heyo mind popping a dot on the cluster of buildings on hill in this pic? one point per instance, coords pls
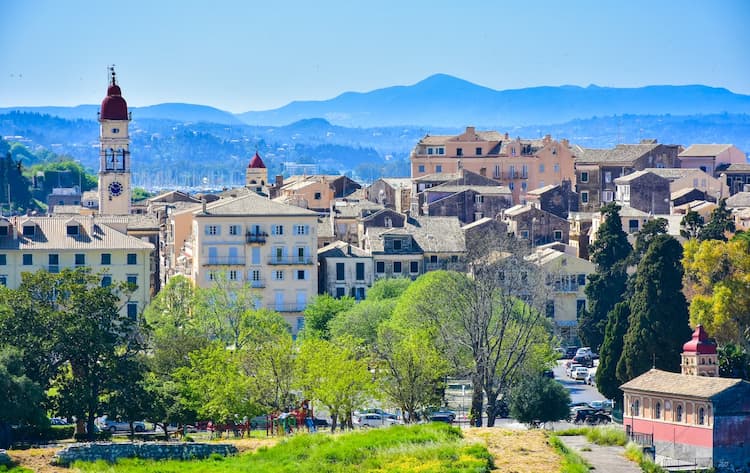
(293, 238)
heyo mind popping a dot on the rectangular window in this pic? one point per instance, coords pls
(478, 199)
(80, 259)
(396, 244)
(340, 292)
(132, 258)
(441, 151)
(255, 275)
(380, 267)
(301, 275)
(414, 267)
(420, 168)
(608, 177)
(512, 171)
(234, 229)
(302, 254)
(498, 173)
(3, 260)
(580, 306)
(360, 270)
(3, 230)
(439, 168)
(511, 185)
(301, 229)
(277, 229)
(339, 271)
(106, 258)
(278, 275)
(28, 230)
(581, 279)
(359, 293)
(478, 151)
(233, 275)
(397, 267)
(3, 280)
(317, 196)
(53, 259)
(278, 297)
(525, 171)
(557, 235)
(212, 229)
(459, 151)
(255, 255)
(584, 177)
(132, 279)
(132, 310)
(28, 259)
(557, 169)
(549, 309)
(72, 230)
(585, 197)
(106, 280)
(430, 151)
(541, 169)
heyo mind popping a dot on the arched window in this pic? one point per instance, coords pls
(636, 408)
(678, 416)
(701, 416)
(657, 411)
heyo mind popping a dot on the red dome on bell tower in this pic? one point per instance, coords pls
(114, 106)
(700, 343)
(256, 162)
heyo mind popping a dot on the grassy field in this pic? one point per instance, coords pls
(423, 448)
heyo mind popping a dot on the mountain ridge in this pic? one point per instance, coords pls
(442, 100)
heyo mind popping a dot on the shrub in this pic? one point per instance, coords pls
(572, 462)
(44, 434)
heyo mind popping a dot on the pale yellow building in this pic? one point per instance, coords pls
(256, 241)
(30, 244)
(567, 275)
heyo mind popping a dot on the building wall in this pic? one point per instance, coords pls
(468, 206)
(700, 180)
(405, 259)
(649, 193)
(330, 282)
(288, 294)
(317, 194)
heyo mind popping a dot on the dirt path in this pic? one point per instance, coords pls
(602, 458)
(517, 451)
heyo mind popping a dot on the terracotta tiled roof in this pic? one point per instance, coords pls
(665, 382)
(625, 154)
(50, 233)
(703, 150)
(252, 204)
(739, 200)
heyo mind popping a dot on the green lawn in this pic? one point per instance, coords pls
(422, 448)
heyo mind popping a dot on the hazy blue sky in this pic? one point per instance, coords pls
(250, 55)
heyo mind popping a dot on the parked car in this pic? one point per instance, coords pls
(605, 405)
(548, 374)
(570, 352)
(590, 416)
(584, 360)
(441, 417)
(569, 370)
(560, 353)
(120, 426)
(583, 351)
(321, 422)
(373, 420)
(58, 421)
(591, 378)
(443, 411)
(580, 373)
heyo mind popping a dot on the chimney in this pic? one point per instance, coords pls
(470, 131)
(279, 182)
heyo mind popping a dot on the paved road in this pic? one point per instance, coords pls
(579, 391)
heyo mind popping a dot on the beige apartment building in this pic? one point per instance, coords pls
(520, 164)
(253, 240)
(30, 244)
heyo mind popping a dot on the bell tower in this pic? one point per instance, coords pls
(699, 356)
(256, 175)
(114, 152)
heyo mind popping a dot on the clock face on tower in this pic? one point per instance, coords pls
(115, 189)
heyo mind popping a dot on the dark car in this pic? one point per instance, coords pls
(584, 360)
(321, 422)
(441, 417)
(570, 352)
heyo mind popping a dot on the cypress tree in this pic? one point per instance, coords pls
(607, 285)
(658, 322)
(609, 355)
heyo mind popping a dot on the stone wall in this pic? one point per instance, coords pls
(111, 452)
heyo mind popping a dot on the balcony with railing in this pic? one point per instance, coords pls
(281, 260)
(287, 307)
(256, 237)
(225, 261)
(257, 283)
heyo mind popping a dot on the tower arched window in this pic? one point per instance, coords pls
(657, 410)
(678, 413)
(701, 416)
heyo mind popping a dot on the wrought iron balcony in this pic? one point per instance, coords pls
(257, 237)
(293, 260)
(226, 261)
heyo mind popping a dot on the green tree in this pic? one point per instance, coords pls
(215, 386)
(333, 374)
(539, 399)
(14, 186)
(388, 288)
(606, 374)
(717, 276)
(22, 397)
(321, 311)
(362, 320)
(658, 323)
(223, 310)
(720, 223)
(607, 285)
(413, 369)
(691, 224)
(645, 236)
(733, 362)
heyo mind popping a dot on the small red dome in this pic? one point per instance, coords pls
(700, 343)
(114, 106)
(256, 162)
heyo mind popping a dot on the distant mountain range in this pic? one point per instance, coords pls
(445, 101)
